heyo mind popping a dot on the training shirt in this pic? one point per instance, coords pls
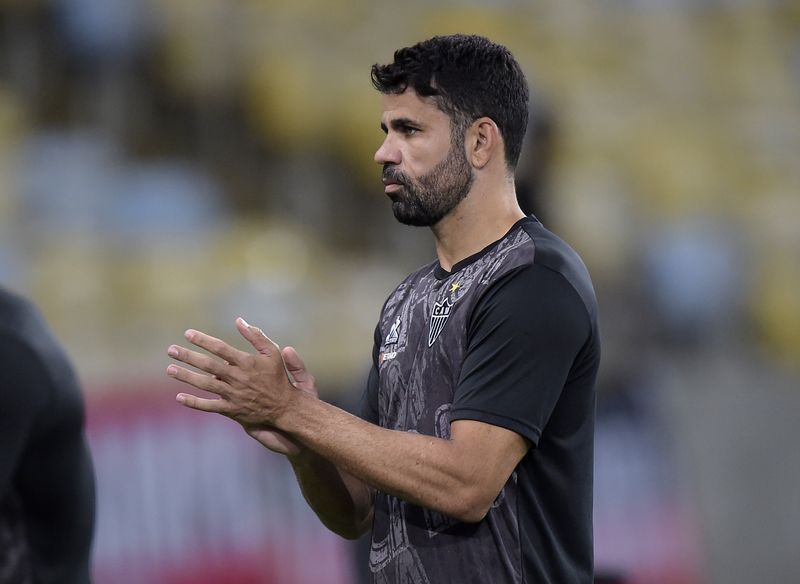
(508, 337)
(47, 504)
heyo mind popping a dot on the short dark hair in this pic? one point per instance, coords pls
(470, 77)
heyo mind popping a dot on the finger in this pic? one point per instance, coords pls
(256, 337)
(216, 346)
(295, 365)
(200, 361)
(198, 380)
(217, 406)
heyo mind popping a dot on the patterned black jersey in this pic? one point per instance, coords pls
(508, 337)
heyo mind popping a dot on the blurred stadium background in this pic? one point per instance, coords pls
(167, 164)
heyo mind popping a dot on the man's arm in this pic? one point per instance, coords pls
(459, 477)
(342, 502)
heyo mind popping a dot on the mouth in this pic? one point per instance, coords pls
(391, 185)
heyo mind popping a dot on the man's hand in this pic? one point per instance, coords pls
(274, 439)
(252, 389)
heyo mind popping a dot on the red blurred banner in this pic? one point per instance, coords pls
(186, 497)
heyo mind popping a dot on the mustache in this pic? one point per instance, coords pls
(390, 173)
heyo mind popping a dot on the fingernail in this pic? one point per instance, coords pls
(172, 370)
(244, 322)
(189, 334)
(172, 351)
(180, 398)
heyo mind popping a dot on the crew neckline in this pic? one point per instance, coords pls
(441, 274)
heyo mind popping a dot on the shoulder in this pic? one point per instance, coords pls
(413, 281)
(25, 333)
(18, 315)
(12, 303)
(553, 254)
(422, 273)
(534, 297)
(547, 279)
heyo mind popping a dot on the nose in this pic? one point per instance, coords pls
(387, 153)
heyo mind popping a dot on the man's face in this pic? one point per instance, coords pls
(425, 171)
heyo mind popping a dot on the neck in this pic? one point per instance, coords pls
(482, 218)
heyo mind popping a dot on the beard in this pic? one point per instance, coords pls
(425, 201)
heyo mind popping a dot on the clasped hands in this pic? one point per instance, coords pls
(255, 390)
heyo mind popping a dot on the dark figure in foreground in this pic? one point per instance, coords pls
(472, 459)
(46, 479)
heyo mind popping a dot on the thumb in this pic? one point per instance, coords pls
(256, 337)
(294, 364)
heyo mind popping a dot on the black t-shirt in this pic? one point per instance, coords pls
(508, 337)
(47, 496)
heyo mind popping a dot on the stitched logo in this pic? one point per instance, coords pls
(394, 333)
(441, 310)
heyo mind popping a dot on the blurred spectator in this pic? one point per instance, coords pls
(46, 478)
(693, 275)
(104, 30)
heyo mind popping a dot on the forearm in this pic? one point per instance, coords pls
(341, 501)
(424, 470)
(459, 476)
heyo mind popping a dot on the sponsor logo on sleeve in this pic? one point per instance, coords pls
(394, 333)
(391, 339)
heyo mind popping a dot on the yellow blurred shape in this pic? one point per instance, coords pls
(682, 165)
(13, 123)
(777, 308)
(287, 99)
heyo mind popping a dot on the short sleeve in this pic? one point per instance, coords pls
(522, 342)
(369, 399)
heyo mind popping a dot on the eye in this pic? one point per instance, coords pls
(409, 130)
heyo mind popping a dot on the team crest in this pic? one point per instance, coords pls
(441, 310)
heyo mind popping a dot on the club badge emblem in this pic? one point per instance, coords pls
(441, 310)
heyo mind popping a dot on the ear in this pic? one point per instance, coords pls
(483, 142)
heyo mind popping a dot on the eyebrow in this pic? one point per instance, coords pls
(400, 123)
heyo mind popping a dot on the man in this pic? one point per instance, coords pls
(46, 479)
(473, 460)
